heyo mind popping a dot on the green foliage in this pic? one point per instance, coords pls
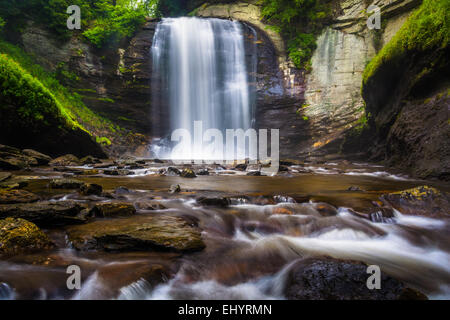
(426, 29)
(104, 22)
(118, 22)
(299, 22)
(34, 103)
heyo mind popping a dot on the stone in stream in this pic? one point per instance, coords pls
(422, 200)
(241, 167)
(203, 172)
(216, 202)
(172, 171)
(42, 159)
(91, 189)
(66, 160)
(188, 173)
(332, 279)
(118, 172)
(17, 182)
(139, 233)
(175, 188)
(89, 160)
(8, 196)
(66, 184)
(149, 205)
(254, 173)
(19, 235)
(45, 213)
(115, 276)
(113, 209)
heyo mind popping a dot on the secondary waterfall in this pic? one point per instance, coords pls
(201, 73)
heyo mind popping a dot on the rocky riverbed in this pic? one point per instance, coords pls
(151, 229)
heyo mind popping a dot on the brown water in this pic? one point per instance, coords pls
(249, 247)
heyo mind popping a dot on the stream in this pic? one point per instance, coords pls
(251, 244)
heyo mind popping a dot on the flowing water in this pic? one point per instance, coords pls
(200, 68)
(251, 245)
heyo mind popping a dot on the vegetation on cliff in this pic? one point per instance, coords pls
(299, 22)
(428, 28)
(104, 22)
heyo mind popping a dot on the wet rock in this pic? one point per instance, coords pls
(216, 202)
(149, 205)
(18, 235)
(89, 172)
(5, 176)
(66, 160)
(91, 189)
(325, 209)
(331, 279)
(14, 183)
(45, 213)
(115, 276)
(66, 184)
(254, 173)
(122, 190)
(113, 209)
(137, 233)
(241, 167)
(203, 172)
(354, 188)
(118, 172)
(383, 215)
(187, 173)
(422, 200)
(17, 196)
(283, 199)
(89, 160)
(283, 168)
(14, 159)
(175, 188)
(171, 171)
(42, 159)
(104, 165)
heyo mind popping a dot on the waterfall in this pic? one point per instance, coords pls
(200, 73)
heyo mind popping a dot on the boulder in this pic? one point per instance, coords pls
(42, 159)
(203, 172)
(175, 188)
(137, 233)
(332, 279)
(18, 235)
(8, 196)
(149, 205)
(45, 213)
(254, 173)
(91, 189)
(171, 171)
(66, 184)
(422, 200)
(113, 209)
(89, 160)
(66, 160)
(216, 202)
(187, 173)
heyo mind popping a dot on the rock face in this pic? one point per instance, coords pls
(45, 213)
(422, 200)
(18, 235)
(137, 233)
(329, 279)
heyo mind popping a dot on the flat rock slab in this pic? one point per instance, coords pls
(45, 213)
(137, 233)
(8, 196)
(5, 176)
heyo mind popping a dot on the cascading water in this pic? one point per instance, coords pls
(201, 73)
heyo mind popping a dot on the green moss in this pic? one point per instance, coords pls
(426, 29)
(103, 141)
(299, 22)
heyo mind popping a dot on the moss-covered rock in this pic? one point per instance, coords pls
(8, 196)
(113, 209)
(17, 235)
(421, 200)
(65, 160)
(137, 233)
(45, 213)
(66, 184)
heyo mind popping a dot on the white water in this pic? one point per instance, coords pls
(201, 75)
